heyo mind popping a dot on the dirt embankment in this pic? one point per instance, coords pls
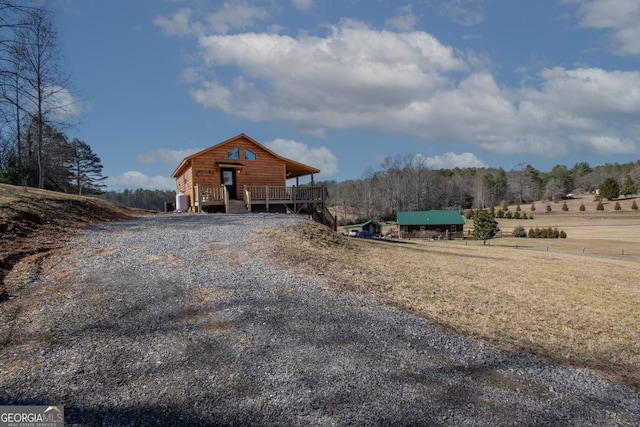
(33, 222)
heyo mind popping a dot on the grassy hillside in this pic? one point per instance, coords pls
(35, 221)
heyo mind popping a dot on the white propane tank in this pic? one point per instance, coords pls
(182, 202)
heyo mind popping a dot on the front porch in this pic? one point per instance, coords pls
(268, 198)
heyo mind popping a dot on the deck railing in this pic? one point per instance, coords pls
(273, 193)
(206, 194)
(260, 193)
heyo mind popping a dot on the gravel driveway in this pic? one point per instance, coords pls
(173, 320)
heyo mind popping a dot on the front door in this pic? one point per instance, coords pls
(228, 179)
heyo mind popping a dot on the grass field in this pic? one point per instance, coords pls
(575, 300)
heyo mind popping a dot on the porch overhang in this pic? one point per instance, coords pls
(229, 165)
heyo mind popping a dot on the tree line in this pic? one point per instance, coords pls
(35, 106)
(140, 198)
(406, 183)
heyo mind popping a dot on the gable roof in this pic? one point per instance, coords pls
(430, 218)
(293, 169)
(371, 221)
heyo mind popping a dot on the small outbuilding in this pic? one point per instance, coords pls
(370, 226)
(434, 224)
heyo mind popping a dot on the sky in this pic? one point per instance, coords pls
(342, 85)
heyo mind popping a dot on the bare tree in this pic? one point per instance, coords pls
(12, 19)
(42, 82)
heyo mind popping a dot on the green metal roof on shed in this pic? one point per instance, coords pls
(372, 221)
(430, 217)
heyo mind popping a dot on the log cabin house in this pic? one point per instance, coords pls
(241, 175)
(434, 224)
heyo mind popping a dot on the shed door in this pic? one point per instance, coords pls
(228, 179)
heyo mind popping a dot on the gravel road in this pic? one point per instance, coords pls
(174, 320)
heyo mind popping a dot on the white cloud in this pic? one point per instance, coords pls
(178, 24)
(168, 157)
(405, 20)
(463, 12)
(234, 14)
(58, 102)
(621, 17)
(348, 79)
(358, 77)
(450, 161)
(304, 5)
(135, 179)
(321, 157)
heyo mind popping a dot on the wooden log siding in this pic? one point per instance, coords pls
(260, 168)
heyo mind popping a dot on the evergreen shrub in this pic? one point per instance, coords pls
(519, 231)
(546, 233)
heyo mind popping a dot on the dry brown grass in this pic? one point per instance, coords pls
(561, 303)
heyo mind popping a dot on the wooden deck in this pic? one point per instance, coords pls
(266, 198)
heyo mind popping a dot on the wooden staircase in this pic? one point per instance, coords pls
(322, 215)
(237, 207)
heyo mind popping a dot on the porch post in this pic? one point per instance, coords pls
(266, 198)
(198, 198)
(226, 199)
(294, 195)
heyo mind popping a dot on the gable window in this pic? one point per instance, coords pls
(234, 154)
(249, 155)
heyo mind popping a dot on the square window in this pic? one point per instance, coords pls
(234, 154)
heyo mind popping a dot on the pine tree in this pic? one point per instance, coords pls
(610, 189)
(85, 168)
(628, 187)
(484, 226)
